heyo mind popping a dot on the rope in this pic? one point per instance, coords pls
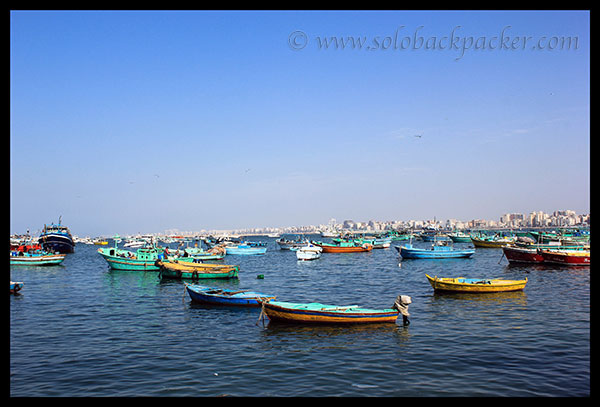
(262, 315)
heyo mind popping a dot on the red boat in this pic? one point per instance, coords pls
(567, 257)
(516, 254)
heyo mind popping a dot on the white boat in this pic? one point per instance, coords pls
(134, 244)
(309, 252)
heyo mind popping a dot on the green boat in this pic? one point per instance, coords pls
(460, 237)
(143, 259)
(186, 270)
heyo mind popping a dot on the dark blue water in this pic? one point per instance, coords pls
(80, 329)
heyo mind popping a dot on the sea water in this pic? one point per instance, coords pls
(81, 329)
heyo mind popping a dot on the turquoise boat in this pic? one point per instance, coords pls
(317, 313)
(143, 259)
(439, 250)
(247, 248)
(460, 237)
(35, 258)
(216, 253)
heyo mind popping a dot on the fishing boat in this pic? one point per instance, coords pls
(492, 241)
(428, 236)
(316, 313)
(566, 257)
(309, 252)
(475, 285)
(216, 253)
(16, 286)
(460, 237)
(291, 244)
(522, 254)
(344, 247)
(438, 250)
(143, 259)
(376, 241)
(57, 238)
(35, 258)
(191, 270)
(247, 248)
(224, 296)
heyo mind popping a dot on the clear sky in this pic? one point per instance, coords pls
(127, 122)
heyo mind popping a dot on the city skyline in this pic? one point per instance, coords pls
(127, 121)
(535, 219)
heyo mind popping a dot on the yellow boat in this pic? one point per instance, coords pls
(492, 242)
(181, 269)
(475, 285)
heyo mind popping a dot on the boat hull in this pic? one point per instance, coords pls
(415, 253)
(522, 255)
(57, 242)
(307, 255)
(246, 251)
(117, 263)
(218, 296)
(315, 313)
(195, 271)
(469, 285)
(460, 239)
(567, 258)
(491, 243)
(48, 260)
(344, 249)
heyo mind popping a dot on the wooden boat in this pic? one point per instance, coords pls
(35, 258)
(522, 254)
(475, 285)
(492, 242)
(215, 253)
(431, 237)
(224, 296)
(316, 313)
(438, 250)
(291, 244)
(187, 270)
(344, 247)
(376, 242)
(309, 252)
(15, 286)
(247, 248)
(566, 257)
(460, 237)
(143, 259)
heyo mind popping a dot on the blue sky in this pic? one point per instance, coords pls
(127, 122)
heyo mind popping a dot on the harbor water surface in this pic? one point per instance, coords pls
(80, 329)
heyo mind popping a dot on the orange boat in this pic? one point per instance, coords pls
(344, 247)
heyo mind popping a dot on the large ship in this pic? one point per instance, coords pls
(57, 238)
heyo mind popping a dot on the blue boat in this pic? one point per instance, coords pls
(247, 248)
(57, 238)
(225, 296)
(439, 250)
(15, 287)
